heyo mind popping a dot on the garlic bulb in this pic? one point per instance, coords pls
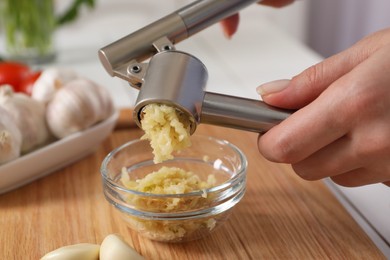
(106, 103)
(51, 80)
(10, 137)
(76, 106)
(29, 115)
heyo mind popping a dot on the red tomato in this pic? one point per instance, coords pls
(13, 73)
(27, 83)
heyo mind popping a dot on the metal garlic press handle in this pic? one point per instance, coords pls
(201, 14)
(179, 79)
(175, 27)
(240, 113)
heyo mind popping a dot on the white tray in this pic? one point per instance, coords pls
(54, 156)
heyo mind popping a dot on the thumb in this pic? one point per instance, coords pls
(308, 85)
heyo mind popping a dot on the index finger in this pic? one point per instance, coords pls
(307, 130)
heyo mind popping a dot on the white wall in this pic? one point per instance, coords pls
(329, 26)
(293, 19)
(334, 25)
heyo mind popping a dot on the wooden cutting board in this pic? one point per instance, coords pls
(281, 215)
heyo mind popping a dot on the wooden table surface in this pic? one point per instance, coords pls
(280, 216)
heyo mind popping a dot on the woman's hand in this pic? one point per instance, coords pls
(342, 127)
(230, 24)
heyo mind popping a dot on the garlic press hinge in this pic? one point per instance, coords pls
(135, 71)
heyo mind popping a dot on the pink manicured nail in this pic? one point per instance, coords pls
(272, 87)
(228, 33)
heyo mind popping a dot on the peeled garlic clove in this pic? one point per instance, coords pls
(114, 247)
(76, 107)
(29, 116)
(50, 81)
(84, 251)
(10, 137)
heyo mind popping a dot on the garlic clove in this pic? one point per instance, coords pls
(114, 247)
(84, 251)
(29, 116)
(10, 137)
(50, 81)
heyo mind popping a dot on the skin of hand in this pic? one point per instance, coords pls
(341, 128)
(230, 24)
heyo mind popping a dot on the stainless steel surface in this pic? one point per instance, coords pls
(179, 25)
(136, 70)
(240, 113)
(201, 14)
(179, 79)
(174, 78)
(139, 45)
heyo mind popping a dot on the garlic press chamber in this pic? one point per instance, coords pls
(149, 61)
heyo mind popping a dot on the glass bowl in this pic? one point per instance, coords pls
(176, 217)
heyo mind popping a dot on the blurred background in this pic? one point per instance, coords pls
(330, 26)
(270, 43)
(333, 25)
(325, 26)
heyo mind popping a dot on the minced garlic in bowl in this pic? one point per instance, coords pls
(181, 199)
(169, 180)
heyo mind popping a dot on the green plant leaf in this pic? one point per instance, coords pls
(73, 11)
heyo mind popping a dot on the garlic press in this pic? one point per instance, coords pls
(149, 61)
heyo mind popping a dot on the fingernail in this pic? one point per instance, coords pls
(272, 87)
(226, 32)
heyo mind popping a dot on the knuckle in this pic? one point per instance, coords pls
(362, 98)
(312, 76)
(372, 146)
